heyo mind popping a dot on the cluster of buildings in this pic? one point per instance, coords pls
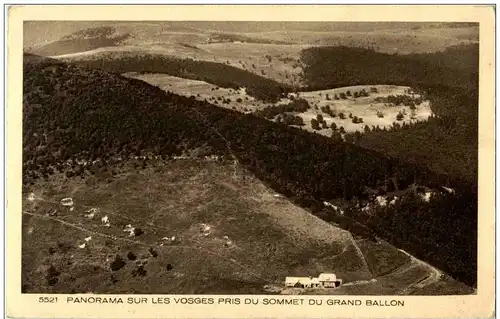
(324, 280)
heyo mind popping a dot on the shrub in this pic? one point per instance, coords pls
(315, 124)
(153, 252)
(131, 256)
(117, 264)
(52, 275)
(363, 93)
(139, 271)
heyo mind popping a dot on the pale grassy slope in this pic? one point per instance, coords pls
(228, 98)
(364, 107)
(176, 200)
(232, 235)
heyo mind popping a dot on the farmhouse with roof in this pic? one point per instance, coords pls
(324, 280)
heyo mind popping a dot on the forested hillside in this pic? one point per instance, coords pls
(327, 67)
(464, 57)
(212, 72)
(72, 112)
(446, 143)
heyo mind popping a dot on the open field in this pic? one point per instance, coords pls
(200, 227)
(404, 37)
(201, 90)
(393, 41)
(222, 233)
(364, 107)
(276, 62)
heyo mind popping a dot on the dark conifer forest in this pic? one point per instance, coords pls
(328, 67)
(219, 74)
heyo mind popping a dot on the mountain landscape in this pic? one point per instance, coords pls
(220, 157)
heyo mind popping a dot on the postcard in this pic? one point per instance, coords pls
(233, 161)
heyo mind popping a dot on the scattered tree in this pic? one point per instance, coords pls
(315, 124)
(131, 256)
(52, 275)
(117, 264)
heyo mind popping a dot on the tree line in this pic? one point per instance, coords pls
(219, 74)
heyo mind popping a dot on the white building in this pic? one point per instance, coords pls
(329, 280)
(324, 280)
(67, 201)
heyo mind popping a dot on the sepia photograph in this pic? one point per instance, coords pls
(250, 157)
(202, 158)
